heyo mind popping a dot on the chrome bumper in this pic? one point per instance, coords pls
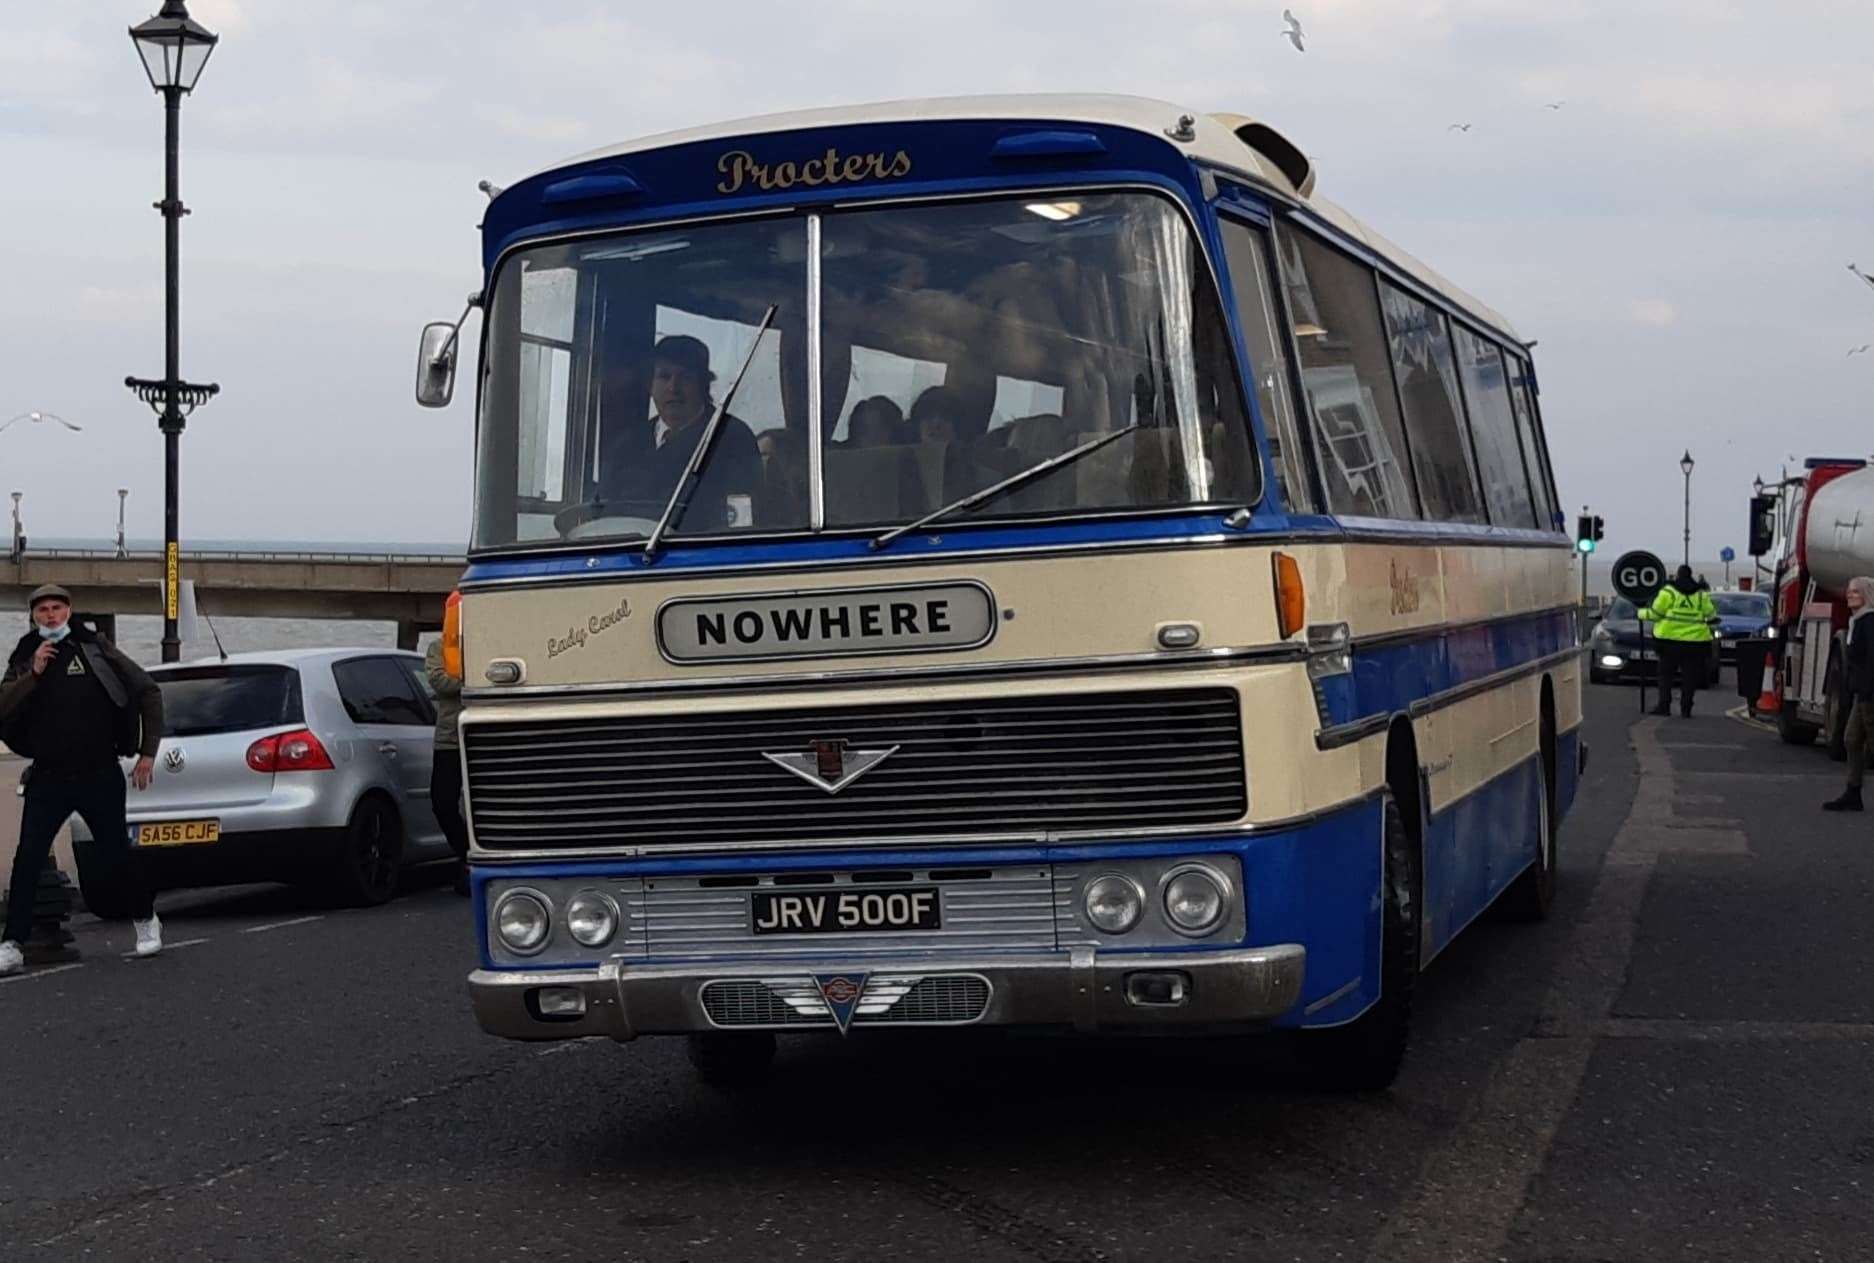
(1080, 989)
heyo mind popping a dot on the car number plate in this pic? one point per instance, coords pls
(843, 910)
(176, 832)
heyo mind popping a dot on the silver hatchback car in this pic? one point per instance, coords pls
(308, 766)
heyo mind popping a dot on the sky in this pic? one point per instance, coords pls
(1674, 237)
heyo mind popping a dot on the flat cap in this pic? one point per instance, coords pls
(48, 592)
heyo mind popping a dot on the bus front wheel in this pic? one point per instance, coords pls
(1365, 1054)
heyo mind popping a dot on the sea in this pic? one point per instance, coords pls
(141, 636)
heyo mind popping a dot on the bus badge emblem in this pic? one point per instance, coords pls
(829, 764)
(841, 993)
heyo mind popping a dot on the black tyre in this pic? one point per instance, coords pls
(1365, 1054)
(1793, 730)
(1531, 895)
(365, 871)
(102, 898)
(733, 1060)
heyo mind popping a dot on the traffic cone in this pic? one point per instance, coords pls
(1771, 700)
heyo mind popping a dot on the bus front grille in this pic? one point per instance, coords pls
(976, 766)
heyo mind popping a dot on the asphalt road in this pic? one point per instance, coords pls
(1676, 1066)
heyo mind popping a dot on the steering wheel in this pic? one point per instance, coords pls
(591, 519)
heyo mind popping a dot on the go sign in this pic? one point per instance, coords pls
(1639, 576)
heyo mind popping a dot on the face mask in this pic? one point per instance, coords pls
(55, 634)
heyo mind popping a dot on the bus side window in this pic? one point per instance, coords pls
(1247, 255)
(1493, 427)
(1347, 378)
(1420, 340)
(1535, 452)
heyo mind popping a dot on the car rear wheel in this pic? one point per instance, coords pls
(365, 872)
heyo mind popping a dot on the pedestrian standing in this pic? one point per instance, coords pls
(445, 776)
(73, 703)
(1683, 616)
(1858, 690)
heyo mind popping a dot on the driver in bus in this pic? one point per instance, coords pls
(681, 395)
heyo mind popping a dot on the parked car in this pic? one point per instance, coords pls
(1616, 650)
(1740, 615)
(308, 766)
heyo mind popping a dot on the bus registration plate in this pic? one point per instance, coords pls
(846, 911)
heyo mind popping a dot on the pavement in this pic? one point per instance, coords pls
(1674, 1066)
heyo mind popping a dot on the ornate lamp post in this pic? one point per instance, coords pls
(1685, 467)
(174, 48)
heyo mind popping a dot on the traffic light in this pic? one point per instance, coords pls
(1762, 524)
(1590, 529)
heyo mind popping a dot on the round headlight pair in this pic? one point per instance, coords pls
(523, 920)
(1195, 901)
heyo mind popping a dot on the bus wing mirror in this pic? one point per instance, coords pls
(435, 364)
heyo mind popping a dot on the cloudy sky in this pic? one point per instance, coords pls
(1675, 236)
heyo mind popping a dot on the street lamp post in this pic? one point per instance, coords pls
(17, 550)
(123, 494)
(1685, 467)
(174, 48)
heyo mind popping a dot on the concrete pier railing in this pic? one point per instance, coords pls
(406, 589)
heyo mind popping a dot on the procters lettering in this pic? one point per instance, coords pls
(740, 169)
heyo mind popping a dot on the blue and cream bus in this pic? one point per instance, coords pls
(1018, 562)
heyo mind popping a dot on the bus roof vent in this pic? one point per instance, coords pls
(1274, 148)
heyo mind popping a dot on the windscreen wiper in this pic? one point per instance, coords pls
(975, 498)
(692, 472)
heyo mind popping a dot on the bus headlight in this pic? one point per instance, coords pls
(1114, 903)
(592, 918)
(522, 922)
(1194, 900)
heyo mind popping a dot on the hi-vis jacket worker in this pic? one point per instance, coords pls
(1683, 616)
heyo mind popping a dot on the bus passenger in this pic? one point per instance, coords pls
(680, 392)
(875, 422)
(940, 416)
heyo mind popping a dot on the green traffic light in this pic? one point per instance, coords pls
(1584, 545)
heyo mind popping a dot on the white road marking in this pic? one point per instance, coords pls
(1487, 1163)
(281, 925)
(167, 947)
(44, 973)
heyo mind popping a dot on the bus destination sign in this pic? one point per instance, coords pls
(840, 623)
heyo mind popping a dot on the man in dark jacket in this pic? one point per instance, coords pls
(645, 473)
(1858, 689)
(72, 703)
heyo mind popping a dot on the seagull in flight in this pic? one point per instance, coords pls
(1554, 105)
(1860, 350)
(1458, 127)
(1292, 29)
(1863, 275)
(38, 417)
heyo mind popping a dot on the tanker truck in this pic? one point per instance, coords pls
(1827, 529)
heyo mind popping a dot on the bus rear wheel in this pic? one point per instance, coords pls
(1366, 1053)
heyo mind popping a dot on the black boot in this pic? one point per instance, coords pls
(1850, 800)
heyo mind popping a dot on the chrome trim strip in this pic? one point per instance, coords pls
(1211, 832)
(657, 622)
(1338, 735)
(872, 559)
(1380, 639)
(1339, 993)
(1182, 658)
(1267, 539)
(816, 431)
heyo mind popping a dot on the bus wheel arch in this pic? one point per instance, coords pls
(1530, 896)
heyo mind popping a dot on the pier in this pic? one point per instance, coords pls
(402, 588)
